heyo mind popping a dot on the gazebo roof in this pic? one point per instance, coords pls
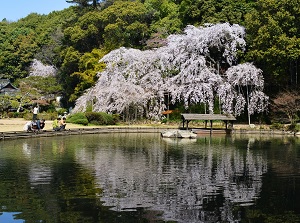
(208, 117)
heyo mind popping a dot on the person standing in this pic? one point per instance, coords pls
(35, 112)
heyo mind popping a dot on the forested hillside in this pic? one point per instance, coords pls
(74, 40)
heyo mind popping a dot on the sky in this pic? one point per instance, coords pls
(13, 10)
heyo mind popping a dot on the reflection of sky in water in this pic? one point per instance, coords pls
(9, 217)
(179, 187)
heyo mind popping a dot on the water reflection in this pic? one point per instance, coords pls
(130, 177)
(178, 185)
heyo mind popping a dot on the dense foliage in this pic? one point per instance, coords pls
(94, 118)
(72, 41)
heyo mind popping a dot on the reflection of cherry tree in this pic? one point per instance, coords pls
(188, 68)
(179, 187)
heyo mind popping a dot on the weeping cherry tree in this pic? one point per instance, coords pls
(188, 68)
(248, 82)
(131, 78)
(197, 78)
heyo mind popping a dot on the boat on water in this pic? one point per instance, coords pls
(178, 134)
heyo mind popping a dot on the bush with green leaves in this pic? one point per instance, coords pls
(100, 118)
(277, 126)
(94, 118)
(78, 118)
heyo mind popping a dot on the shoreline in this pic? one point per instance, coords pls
(13, 129)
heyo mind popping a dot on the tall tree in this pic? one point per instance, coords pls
(273, 36)
(125, 23)
(165, 17)
(89, 66)
(214, 11)
(288, 103)
(249, 85)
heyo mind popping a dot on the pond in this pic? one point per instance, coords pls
(145, 178)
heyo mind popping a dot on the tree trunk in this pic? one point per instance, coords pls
(249, 121)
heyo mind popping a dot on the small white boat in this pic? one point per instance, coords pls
(178, 134)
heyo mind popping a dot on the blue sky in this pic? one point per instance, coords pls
(14, 10)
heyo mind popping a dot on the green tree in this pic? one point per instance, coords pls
(198, 12)
(165, 19)
(85, 34)
(17, 49)
(125, 23)
(274, 40)
(70, 58)
(89, 66)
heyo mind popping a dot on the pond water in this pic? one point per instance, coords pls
(145, 178)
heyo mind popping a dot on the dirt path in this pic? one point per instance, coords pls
(17, 124)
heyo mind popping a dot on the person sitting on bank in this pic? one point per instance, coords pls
(33, 126)
(40, 124)
(63, 123)
(56, 124)
(27, 126)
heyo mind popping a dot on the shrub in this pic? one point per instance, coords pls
(18, 114)
(100, 118)
(164, 121)
(82, 121)
(78, 118)
(277, 126)
(10, 114)
(95, 118)
(116, 118)
(27, 116)
(108, 119)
